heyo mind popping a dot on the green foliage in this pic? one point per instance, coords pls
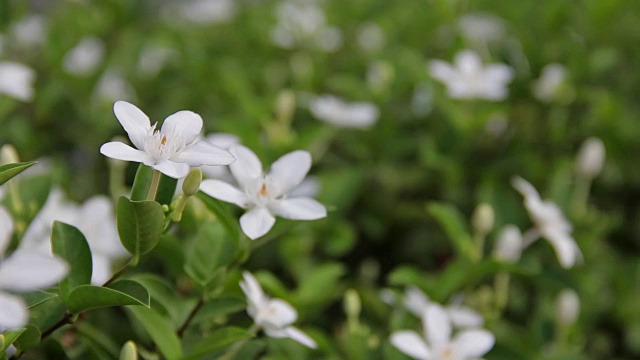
(211, 250)
(8, 171)
(160, 330)
(123, 292)
(139, 225)
(69, 243)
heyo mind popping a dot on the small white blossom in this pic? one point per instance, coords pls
(567, 307)
(437, 343)
(549, 223)
(460, 316)
(304, 22)
(22, 271)
(468, 78)
(274, 316)
(224, 141)
(335, 111)
(16, 80)
(509, 244)
(266, 195)
(479, 27)
(84, 58)
(590, 158)
(29, 31)
(153, 58)
(112, 86)
(171, 150)
(371, 37)
(204, 12)
(547, 87)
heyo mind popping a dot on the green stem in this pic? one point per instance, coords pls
(233, 350)
(580, 196)
(192, 314)
(153, 188)
(479, 242)
(501, 288)
(117, 274)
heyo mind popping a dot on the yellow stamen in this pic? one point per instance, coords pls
(263, 190)
(164, 139)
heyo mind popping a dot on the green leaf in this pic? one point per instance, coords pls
(123, 292)
(10, 170)
(48, 312)
(29, 338)
(222, 212)
(139, 225)
(211, 250)
(160, 330)
(142, 182)
(219, 339)
(215, 309)
(164, 296)
(69, 243)
(9, 337)
(319, 285)
(31, 195)
(454, 226)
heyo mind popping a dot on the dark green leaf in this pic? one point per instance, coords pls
(160, 330)
(139, 225)
(28, 339)
(9, 337)
(10, 170)
(319, 284)
(454, 226)
(211, 250)
(48, 312)
(219, 339)
(222, 212)
(70, 244)
(123, 292)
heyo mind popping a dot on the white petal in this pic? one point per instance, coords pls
(135, 122)
(464, 317)
(470, 344)
(247, 168)
(185, 124)
(565, 246)
(256, 222)
(26, 270)
(101, 270)
(276, 313)
(172, 169)
(301, 208)
(203, 153)
(441, 70)
(437, 326)
(525, 188)
(14, 312)
(297, 335)
(225, 192)
(468, 62)
(288, 172)
(121, 151)
(498, 73)
(410, 343)
(309, 187)
(253, 292)
(222, 140)
(6, 229)
(416, 301)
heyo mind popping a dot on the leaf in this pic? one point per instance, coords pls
(319, 285)
(160, 330)
(454, 226)
(9, 337)
(219, 339)
(163, 296)
(31, 195)
(70, 244)
(48, 312)
(211, 250)
(214, 309)
(29, 338)
(222, 213)
(10, 170)
(139, 225)
(123, 292)
(142, 182)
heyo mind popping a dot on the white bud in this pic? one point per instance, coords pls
(482, 219)
(590, 157)
(567, 307)
(8, 155)
(509, 244)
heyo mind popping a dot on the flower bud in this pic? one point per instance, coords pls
(567, 307)
(509, 244)
(352, 304)
(482, 219)
(129, 351)
(191, 183)
(285, 106)
(590, 157)
(8, 155)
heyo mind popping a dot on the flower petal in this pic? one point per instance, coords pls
(172, 169)
(121, 151)
(225, 192)
(6, 229)
(276, 313)
(498, 73)
(257, 222)
(301, 208)
(135, 122)
(416, 301)
(468, 62)
(247, 168)
(14, 312)
(203, 153)
(441, 70)
(27, 270)
(101, 270)
(565, 246)
(309, 187)
(288, 172)
(410, 343)
(471, 344)
(185, 124)
(253, 291)
(296, 334)
(437, 326)
(464, 317)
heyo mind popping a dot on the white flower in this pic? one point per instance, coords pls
(112, 86)
(468, 78)
(590, 158)
(84, 58)
(204, 12)
(335, 111)
(509, 244)
(224, 141)
(304, 22)
(371, 37)
(16, 80)
(549, 223)
(153, 58)
(437, 343)
(479, 27)
(547, 87)
(22, 271)
(29, 31)
(567, 307)
(266, 194)
(460, 316)
(274, 316)
(171, 150)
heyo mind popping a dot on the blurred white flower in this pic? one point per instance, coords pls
(112, 87)
(371, 37)
(22, 271)
(29, 31)
(468, 78)
(509, 244)
(479, 27)
(548, 86)
(336, 111)
(153, 58)
(204, 12)
(224, 141)
(274, 316)
(84, 58)
(422, 99)
(171, 150)
(437, 343)
(460, 316)
(590, 158)
(266, 195)
(16, 80)
(303, 22)
(95, 218)
(549, 223)
(567, 307)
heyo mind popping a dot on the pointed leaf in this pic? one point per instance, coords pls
(142, 182)
(160, 330)
(454, 226)
(139, 225)
(123, 292)
(70, 244)
(9, 337)
(211, 250)
(29, 338)
(219, 339)
(10, 170)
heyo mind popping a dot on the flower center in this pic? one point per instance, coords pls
(162, 146)
(263, 190)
